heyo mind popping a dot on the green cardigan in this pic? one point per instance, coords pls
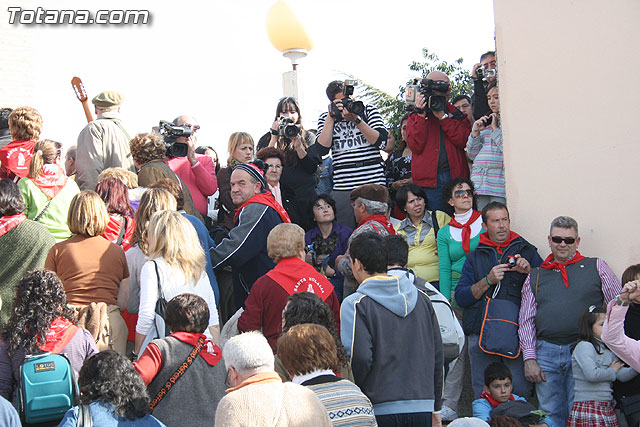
(451, 258)
(55, 218)
(23, 248)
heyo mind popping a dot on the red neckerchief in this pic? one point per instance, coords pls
(382, 219)
(51, 180)
(10, 221)
(16, 157)
(60, 333)
(265, 198)
(466, 230)
(494, 403)
(484, 239)
(295, 275)
(549, 264)
(210, 352)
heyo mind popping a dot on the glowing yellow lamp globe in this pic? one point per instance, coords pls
(285, 30)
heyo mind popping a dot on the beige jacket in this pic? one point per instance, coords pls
(102, 144)
(273, 404)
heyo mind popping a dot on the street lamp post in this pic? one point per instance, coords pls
(287, 34)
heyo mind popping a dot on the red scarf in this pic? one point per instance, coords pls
(10, 221)
(60, 333)
(466, 230)
(382, 219)
(210, 352)
(494, 403)
(265, 198)
(484, 239)
(295, 275)
(16, 157)
(549, 264)
(51, 180)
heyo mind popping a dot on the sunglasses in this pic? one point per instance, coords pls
(567, 240)
(461, 193)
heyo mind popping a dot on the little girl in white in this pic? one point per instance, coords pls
(595, 368)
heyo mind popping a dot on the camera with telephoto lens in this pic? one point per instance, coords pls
(287, 128)
(428, 88)
(170, 133)
(355, 107)
(483, 74)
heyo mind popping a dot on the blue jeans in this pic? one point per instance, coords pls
(434, 195)
(556, 394)
(479, 362)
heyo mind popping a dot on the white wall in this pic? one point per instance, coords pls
(570, 101)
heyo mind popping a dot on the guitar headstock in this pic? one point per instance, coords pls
(78, 88)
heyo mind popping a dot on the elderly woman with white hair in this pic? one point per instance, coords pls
(269, 294)
(257, 396)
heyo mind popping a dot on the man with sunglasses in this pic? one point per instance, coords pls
(437, 140)
(553, 299)
(196, 171)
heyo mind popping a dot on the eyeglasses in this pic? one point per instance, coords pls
(461, 193)
(567, 240)
(194, 128)
(275, 167)
(227, 380)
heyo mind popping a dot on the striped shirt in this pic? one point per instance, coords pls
(355, 160)
(346, 405)
(487, 172)
(528, 309)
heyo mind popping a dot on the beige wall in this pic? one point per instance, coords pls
(570, 100)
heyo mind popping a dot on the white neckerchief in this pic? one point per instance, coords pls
(476, 227)
(299, 379)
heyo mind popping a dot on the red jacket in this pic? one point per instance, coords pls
(112, 232)
(423, 137)
(267, 299)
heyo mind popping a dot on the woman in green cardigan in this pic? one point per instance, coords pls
(455, 241)
(460, 236)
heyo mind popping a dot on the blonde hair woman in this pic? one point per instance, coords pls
(46, 191)
(92, 269)
(176, 266)
(241, 150)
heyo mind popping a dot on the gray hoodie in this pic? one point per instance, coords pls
(391, 332)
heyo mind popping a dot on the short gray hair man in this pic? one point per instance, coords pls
(247, 354)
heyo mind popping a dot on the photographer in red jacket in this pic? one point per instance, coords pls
(437, 135)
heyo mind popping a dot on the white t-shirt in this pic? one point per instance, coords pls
(172, 281)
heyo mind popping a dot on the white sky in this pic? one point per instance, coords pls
(214, 60)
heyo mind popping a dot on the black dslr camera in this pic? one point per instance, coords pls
(170, 134)
(288, 129)
(355, 107)
(426, 87)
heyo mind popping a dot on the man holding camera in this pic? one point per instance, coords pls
(483, 73)
(103, 143)
(195, 170)
(437, 135)
(355, 133)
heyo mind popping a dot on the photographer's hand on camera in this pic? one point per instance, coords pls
(191, 153)
(421, 103)
(474, 71)
(485, 122)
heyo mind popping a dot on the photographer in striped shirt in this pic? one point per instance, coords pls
(355, 133)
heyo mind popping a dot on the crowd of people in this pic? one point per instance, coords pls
(308, 282)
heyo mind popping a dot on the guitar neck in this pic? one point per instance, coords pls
(87, 111)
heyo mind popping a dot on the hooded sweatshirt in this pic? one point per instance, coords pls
(391, 333)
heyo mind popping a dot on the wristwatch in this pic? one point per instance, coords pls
(444, 117)
(274, 132)
(621, 303)
(358, 120)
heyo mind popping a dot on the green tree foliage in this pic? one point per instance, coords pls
(392, 107)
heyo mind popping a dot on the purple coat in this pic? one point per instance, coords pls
(343, 232)
(80, 348)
